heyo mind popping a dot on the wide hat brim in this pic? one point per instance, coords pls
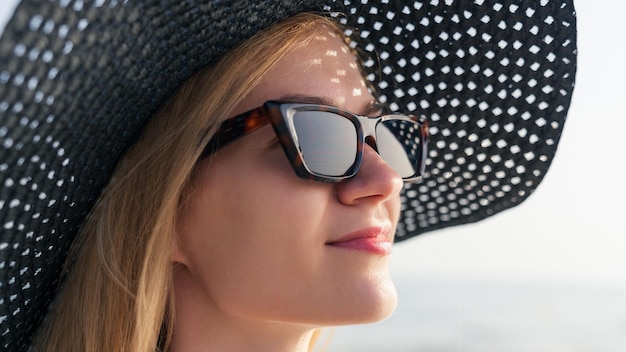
(78, 80)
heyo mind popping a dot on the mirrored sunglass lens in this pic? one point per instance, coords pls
(328, 142)
(398, 144)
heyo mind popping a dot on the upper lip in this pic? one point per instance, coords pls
(382, 230)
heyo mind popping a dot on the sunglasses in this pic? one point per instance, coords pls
(324, 143)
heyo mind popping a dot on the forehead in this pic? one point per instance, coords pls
(322, 66)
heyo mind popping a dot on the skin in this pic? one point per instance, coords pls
(254, 266)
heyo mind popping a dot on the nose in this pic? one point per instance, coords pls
(375, 181)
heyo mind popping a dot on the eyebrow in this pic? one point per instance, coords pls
(371, 108)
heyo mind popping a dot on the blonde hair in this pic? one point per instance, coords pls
(117, 295)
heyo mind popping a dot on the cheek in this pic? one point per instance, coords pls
(252, 239)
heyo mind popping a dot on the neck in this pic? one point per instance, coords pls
(225, 337)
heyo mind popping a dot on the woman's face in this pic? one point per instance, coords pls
(257, 243)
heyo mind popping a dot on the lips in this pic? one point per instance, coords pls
(372, 239)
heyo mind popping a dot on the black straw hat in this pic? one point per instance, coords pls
(79, 79)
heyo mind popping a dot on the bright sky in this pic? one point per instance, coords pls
(571, 229)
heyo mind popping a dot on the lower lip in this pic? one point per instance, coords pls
(375, 245)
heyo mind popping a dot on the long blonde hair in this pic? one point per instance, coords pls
(117, 295)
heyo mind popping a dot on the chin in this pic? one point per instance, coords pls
(369, 302)
(382, 299)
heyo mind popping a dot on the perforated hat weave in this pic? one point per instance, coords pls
(78, 79)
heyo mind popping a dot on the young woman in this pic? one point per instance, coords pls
(260, 201)
(256, 258)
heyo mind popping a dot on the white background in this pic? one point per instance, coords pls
(568, 235)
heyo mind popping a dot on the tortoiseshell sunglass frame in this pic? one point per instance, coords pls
(279, 114)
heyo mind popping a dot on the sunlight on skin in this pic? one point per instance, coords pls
(332, 56)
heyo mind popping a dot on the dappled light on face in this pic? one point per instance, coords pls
(321, 38)
(332, 66)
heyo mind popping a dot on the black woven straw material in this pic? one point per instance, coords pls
(78, 79)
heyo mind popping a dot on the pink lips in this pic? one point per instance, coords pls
(371, 239)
